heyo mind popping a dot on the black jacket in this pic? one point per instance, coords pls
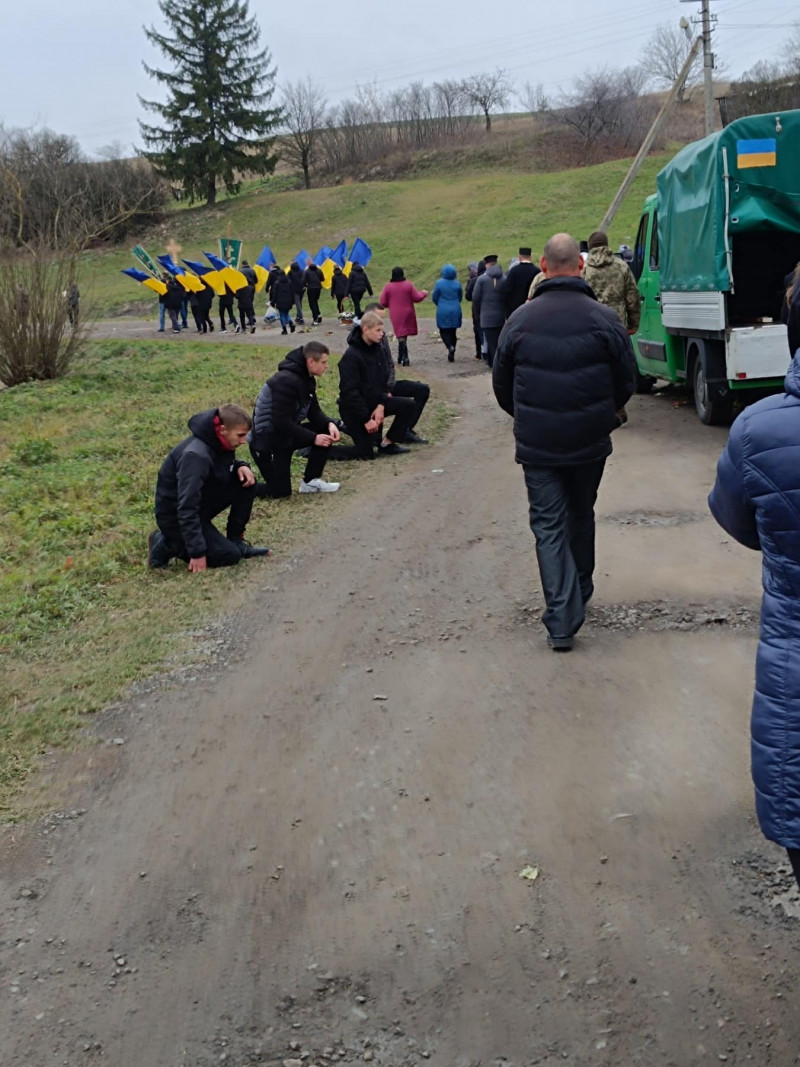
(174, 296)
(296, 278)
(471, 288)
(362, 378)
(193, 481)
(791, 316)
(250, 274)
(245, 296)
(282, 294)
(516, 284)
(205, 298)
(563, 368)
(339, 283)
(358, 282)
(286, 400)
(312, 278)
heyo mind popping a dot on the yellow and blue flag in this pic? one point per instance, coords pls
(233, 278)
(145, 279)
(760, 153)
(339, 254)
(267, 257)
(322, 255)
(360, 252)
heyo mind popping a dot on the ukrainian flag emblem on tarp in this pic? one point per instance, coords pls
(762, 153)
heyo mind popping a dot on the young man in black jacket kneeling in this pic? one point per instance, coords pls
(287, 417)
(198, 480)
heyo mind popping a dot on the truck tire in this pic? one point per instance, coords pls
(714, 407)
(644, 383)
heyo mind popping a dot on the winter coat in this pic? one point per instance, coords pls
(614, 285)
(755, 500)
(792, 320)
(358, 282)
(516, 285)
(193, 478)
(488, 304)
(286, 400)
(174, 296)
(362, 378)
(339, 286)
(312, 278)
(205, 298)
(480, 268)
(296, 278)
(400, 298)
(447, 295)
(563, 368)
(252, 277)
(245, 296)
(282, 294)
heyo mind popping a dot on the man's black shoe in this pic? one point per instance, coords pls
(413, 438)
(261, 490)
(392, 449)
(561, 644)
(251, 551)
(158, 555)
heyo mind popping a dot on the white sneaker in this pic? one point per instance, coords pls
(318, 485)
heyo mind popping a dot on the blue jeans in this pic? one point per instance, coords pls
(162, 315)
(561, 502)
(286, 319)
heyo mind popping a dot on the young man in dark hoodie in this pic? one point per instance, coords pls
(419, 392)
(198, 480)
(339, 288)
(245, 298)
(297, 278)
(287, 417)
(364, 399)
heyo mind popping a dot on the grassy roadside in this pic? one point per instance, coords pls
(80, 616)
(420, 224)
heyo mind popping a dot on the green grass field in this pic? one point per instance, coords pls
(80, 616)
(419, 224)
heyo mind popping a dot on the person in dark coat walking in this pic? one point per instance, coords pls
(489, 303)
(755, 500)
(447, 295)
(312, 280)
(173, 301)
(198, 480)
(202, 310)
(339, 284)
(357, 285)
(287, 417)
(564, 369)
(226, 310)
(475, 271)
(245, 298)
(282, 296)
(364, 400)
(517, 282)
(297, 278)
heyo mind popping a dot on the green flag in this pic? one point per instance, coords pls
(146, 261)
(231, 251)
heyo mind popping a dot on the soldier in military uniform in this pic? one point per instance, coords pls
(612, 281)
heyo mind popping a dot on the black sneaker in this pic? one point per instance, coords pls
(158, 555)
(413, 438)
(291, 326)
(252, 329)
(251, 551)
(237, 328)
(392, 449)
(561, 644)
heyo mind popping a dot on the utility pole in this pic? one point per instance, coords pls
(707, 20)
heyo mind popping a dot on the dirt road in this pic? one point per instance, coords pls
(311, 852)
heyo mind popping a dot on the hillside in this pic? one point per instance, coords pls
(419, 224)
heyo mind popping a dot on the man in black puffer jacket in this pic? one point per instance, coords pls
(357, 285)
(565, 370)
(200, 478)
(312, 280)
(287, 417)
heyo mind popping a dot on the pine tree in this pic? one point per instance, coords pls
(216, 120)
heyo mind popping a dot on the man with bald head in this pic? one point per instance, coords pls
(564, 370)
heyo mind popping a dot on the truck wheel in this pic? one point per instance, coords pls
(712, 409)
(644, 383)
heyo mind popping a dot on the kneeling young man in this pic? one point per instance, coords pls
(288, 417)
(198, 480)
(419, 392)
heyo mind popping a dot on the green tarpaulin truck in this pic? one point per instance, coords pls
(713, 248)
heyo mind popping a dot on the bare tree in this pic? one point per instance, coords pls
(664, 55)
(488, 92)
(791, 49)
(533, 98)
(304, 105)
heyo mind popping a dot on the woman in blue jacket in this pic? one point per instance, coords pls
(756, 499)
(447, 295)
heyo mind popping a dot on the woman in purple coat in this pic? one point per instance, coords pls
(400, 296)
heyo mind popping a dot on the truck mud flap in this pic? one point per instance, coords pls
(652, 350)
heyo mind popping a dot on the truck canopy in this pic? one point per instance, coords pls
(763, 164)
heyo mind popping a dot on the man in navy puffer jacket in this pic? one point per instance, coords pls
(756, 499)
(564, 369)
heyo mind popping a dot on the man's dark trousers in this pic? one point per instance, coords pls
(417, 391)
(561, 502)
(220, 551)
(404, 410)
(276, 467)
(313, 302)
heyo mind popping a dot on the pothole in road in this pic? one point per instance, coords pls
(656, 616)
(652, 518)
(770, 884)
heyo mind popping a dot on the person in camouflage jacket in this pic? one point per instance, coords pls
(612, 282)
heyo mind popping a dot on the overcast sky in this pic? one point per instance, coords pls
(76, 65)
